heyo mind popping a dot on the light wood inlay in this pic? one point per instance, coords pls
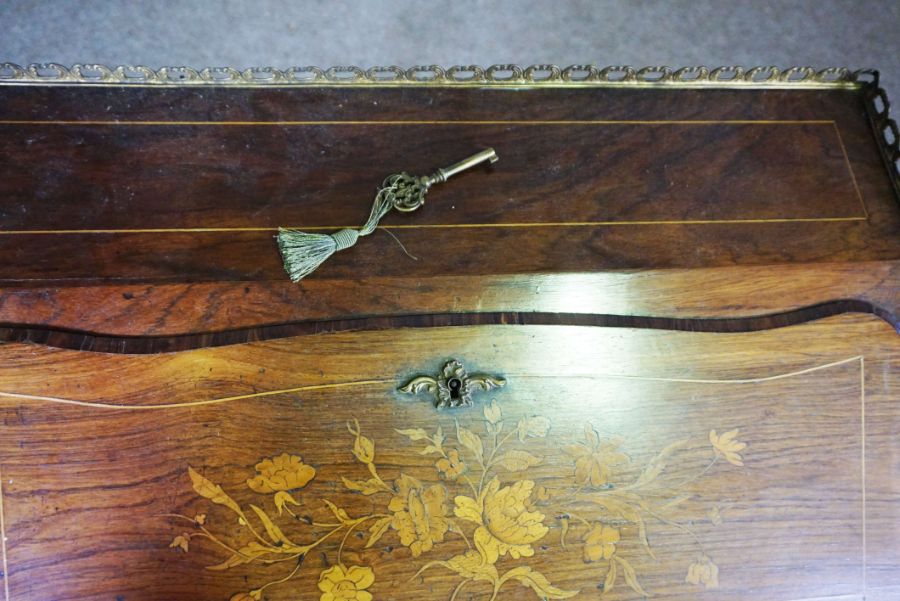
(798, 398)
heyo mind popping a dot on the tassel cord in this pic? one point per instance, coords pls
(303, 252)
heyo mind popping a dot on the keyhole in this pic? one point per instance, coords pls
(454, 384)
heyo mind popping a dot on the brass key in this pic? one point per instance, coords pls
(408, 192)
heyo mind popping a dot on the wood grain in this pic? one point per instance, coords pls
(84, 487)
(592, 181)
(230, 312)
(308, 175)
(690, 298)
(165, 344)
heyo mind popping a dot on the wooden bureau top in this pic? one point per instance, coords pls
(151, 202)
(654, 383)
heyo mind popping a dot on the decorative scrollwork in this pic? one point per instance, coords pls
(588, 75)
(454, 386)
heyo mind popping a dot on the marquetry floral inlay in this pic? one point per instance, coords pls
(480, 492)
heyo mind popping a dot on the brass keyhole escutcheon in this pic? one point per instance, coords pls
(454, 386)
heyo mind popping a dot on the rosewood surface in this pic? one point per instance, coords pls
(685, 303)
(97, 451)
(175, 192)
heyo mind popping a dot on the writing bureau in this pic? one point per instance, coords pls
(651, 352)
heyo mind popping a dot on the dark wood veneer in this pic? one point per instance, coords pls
(85, 341)
(172, 195)
(153, 351)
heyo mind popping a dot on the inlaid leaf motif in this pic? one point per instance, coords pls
(659, 463)
(492, 413)
(245, 554)
(591, 435)
(282, 499)
(538, 583)
(610, 581)
(629, 511)
(414, 434)
(181, 542)
(630, 576)
(533, 427)
(378, 529)
(563, 530)
(726, 446)
(517, 461)
(272, 530)
(471, 441)
(471, 565)
(339, 513)
(364, 449)
(366, 487)
(468, 508)
(213, 492)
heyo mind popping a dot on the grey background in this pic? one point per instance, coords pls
(818, 33)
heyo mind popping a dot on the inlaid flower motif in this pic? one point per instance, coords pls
(504, 519)
(600, 542)
(492, 413)
(282, 499)
(282, 473)
(727, 447)
(703, 571)
(506, 524)
(595, 458)
(339, 583)
(420, 514)
(182, 541)
(452, 466)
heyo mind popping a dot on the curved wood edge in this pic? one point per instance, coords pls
(154, 310)
(99, 343)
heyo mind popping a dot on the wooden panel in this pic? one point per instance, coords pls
(133, 175)
(589, 180)
(140, 318)
(97, 448)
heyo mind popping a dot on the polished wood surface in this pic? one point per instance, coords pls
(97, 450)
(322, 175)
(155, 318)
(741, 185)
(684, 304)
(589, 181)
